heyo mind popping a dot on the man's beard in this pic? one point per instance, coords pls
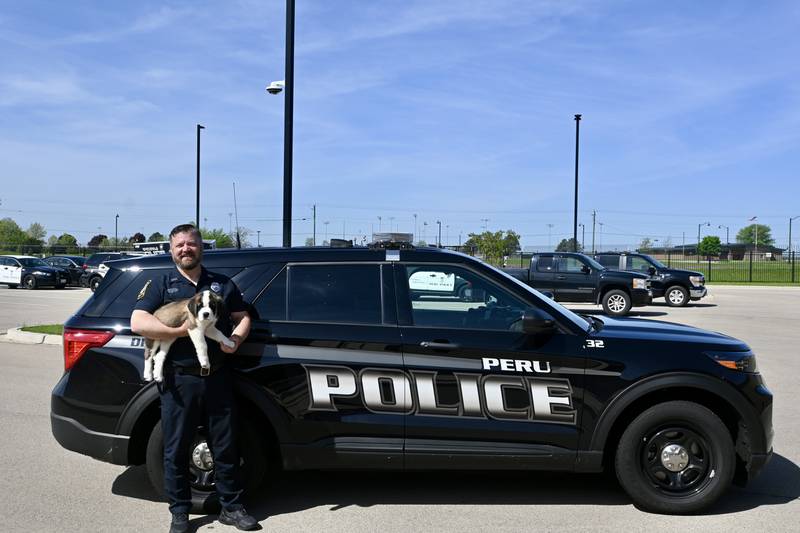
(189, 262)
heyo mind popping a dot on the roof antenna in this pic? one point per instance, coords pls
(236, 210)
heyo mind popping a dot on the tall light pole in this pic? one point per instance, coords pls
(116, 233)
(326, 229)
(391, 223)
(549, 232)
(754, 219)
(258, 238)
(415, 229)
(425, 231)
(600, 237)
(583, 236)
(698, 235)
(197, 201)
(575, 215)
(727, 233)
(439, 240)
(379, 224)
(288, 123)
(314, 234)
(790, 234)
(485, 224)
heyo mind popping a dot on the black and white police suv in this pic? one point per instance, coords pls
(378, 358)
(31, 273)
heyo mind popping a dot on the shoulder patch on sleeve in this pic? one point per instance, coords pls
(144, 289)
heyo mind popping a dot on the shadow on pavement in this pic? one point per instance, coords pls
(290, 492)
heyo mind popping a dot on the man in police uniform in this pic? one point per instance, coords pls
(189, 398)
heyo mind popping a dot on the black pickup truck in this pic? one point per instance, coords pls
(574, 277)
(676, 285)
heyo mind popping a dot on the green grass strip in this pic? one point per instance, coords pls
(47, 329)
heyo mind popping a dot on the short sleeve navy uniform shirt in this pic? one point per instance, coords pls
(174, 286)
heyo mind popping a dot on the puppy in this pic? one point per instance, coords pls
(202, 312)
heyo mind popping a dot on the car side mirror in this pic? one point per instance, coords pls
(534, 321)
(651, 271)
(586, 270)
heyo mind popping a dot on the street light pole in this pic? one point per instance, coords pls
(288, 122)
(439, 240)
(790, 234)
(258, 238)
(197, 201)
(549, 231)
(116, 234)
(698, 235)
(575, 215)
(727, 233)
(583, 236)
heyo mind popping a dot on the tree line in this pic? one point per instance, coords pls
(14, 239)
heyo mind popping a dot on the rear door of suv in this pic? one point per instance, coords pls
(327, 341)
(485, 392)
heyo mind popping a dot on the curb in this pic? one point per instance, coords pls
(17, 336)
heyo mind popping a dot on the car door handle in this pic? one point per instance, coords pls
(561, 277)
(434, 345)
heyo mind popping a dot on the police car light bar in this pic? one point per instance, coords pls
(396, 241)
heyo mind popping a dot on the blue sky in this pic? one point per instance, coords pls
(454, 110)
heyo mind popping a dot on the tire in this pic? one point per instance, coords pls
(29, 282)
(710, 458)
(616, 302)
(252, 467)
(676, 296)
(94, 282)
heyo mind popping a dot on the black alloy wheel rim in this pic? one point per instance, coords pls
(693, 475)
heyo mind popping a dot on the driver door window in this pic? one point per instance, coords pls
(444, 296)
(638, 264)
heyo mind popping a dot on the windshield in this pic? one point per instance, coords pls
(32, 262)
(655, 262)
(582, 323)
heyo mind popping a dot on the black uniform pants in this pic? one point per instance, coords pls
(189, 401)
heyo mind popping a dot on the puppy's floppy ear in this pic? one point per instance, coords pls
(192, 305)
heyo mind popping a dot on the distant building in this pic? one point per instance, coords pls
(733, 251)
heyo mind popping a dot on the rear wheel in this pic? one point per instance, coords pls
(94, 282)
(675, 458)
(29, 282)
(676, 296)
(252, 466)
(616, 302)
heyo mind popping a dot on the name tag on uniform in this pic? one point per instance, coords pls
(172, 290)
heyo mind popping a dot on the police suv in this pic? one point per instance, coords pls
(354, 362)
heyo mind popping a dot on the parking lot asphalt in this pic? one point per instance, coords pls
(20, 307)
(46, 488)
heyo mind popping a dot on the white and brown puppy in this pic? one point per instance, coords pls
(202, 312)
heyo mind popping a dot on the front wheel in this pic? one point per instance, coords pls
(676, 296)
(616, 302)
(252, 466)
(29, 282)
(675, 458)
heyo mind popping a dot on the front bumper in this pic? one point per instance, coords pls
(695, 293)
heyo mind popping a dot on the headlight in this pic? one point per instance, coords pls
(740, 361)
(39, 273)
(639, 283)
(697, 280)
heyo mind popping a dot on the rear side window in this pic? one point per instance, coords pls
(335, 293)
(122, 289)
(545, 263)
(271, 304)
(608, 261)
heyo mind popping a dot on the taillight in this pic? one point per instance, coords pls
(83, 267)
(78, 341)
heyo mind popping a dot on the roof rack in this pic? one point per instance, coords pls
(392, 241)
